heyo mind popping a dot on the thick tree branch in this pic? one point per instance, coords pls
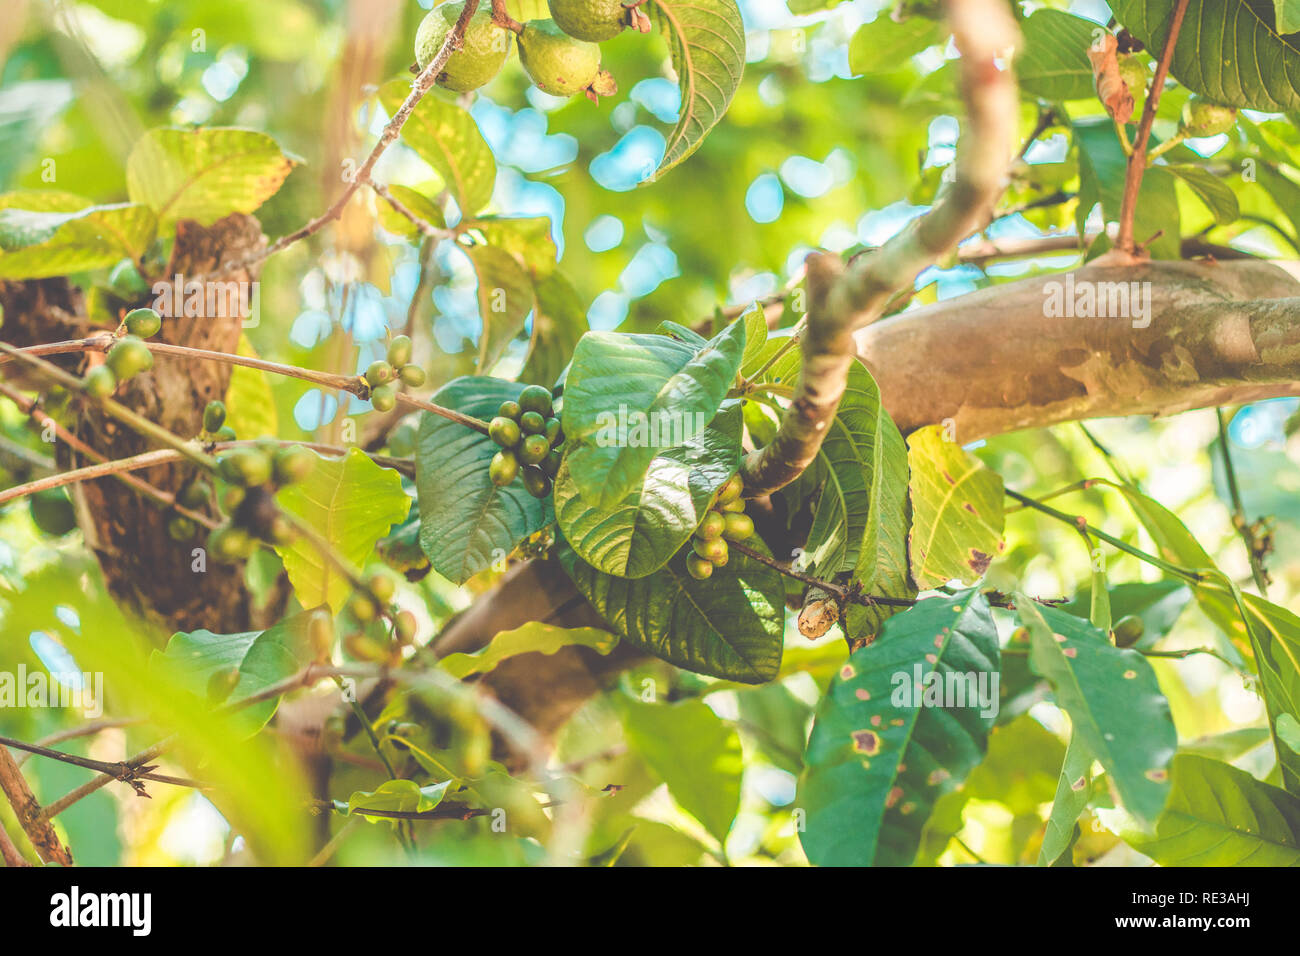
(844, 298)
(38, 829)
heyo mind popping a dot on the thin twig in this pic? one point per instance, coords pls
(1255, 549)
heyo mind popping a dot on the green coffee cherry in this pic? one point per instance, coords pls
(362, 648)
(699, 568)
(551, 463)
(712, 526)
(731, 489)
(129, 357)
(411, 375)
(536, 483)
(381, 586)
(292, 464)
(126, 280)
(399, 351)
(379, 373)
(553, 433)
(245, 467)
(224, 433)
(143, 322)
(1129, 630)
(232, 498)
(712, 549)
(1202, 118)
(181, 528)
(279, 530)
(214, 416)
(532, 423)
(362, 608)
(404, 627)
(383, 398)
(738, 527)
(320, 635)
(230, 543)
(504, 431)
(195, 494)
(52, 511)
(534, 449)
(503, 468)
(100, 382)
(510, 409)
(734, 507)
(535, 398)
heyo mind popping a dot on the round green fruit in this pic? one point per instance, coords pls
(731, 489)
(214, 416)
(100, 381)
(1129, 630)
(126, 280)
(293, 464)
(195, 494)
(503, 468)
(553, 433)
(1133, 71)
(383, 398)
(411, 375)
(129, 357)
(224, 433)
(551, 463)
(482, 52)
(734, 507)
(381, 586)
(699, 568)
(535, 398)
(534, 450)
(556, 62)
(379, 373)
(1202, 118)
(536, 483)
(181, 528)
(504, 431)
(592, 20)
(404, 627)
(143, 322)
(399, 351)
(738, 527)
(245, 467)
(533, 423)
(230, 543)
(52, 511)
(510, 410)
(712, 526)
(232, 498)
(714, 549)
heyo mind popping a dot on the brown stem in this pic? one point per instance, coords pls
(119, 771)
(502, 18)
(9, 853)
(1137, 160)
(29, 813)
(420, 223)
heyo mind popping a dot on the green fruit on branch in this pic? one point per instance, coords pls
(504, 431)
(232, 498)
(278, 530)
(1129, 630)
(293, 464)
(700, 568)
(100, 382)
(230, 543)
(536, 482)
(535, 398)
(738, 527)
(553, 433)
(731, 489)
(404, 627)
(143, 322)
(129, 357)
(245, 467)
(1202, 118)
(125, 280)
(399, 351)
(510, 410)
(503, 468)
(411, 375)
(712, 526)
(362, 608)
(224, 433)
(482, 53)
(733, 507)
(593, 20)
(1133, 71)
(556, 62)
(181, 528)
(714, 549)
(195, 494)
(320, 635)
(52, 511)
(381, 586)
(214, 416)
(383, 398)
(362, 648)
(534, 450)
(533, 423)
(551, 463)
(379, 373)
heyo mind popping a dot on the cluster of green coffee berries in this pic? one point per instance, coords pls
(128, 356)
(561, 55)
(376, 600)
(724, 521)
(530, 438)
(252, 474)
(383, 375)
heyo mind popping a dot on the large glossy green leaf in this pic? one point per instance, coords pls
(1102, 166)
(204, 173)
(1116, 709)
(1228, 50)
(956, 511)
(1221, 816)
(351, 503)
(706, 39)
(42, 237)
(447, 138)
(466, 522)
(892, 735)
(527, 238)
(261, 658)
(505, 297)
(1054, 62)
(418, 203)
(533, 637)
(696, 753)
(885, 44)
(396, 796)
(1286, 16)
(638, 535)
(628, 397)
(729, 626)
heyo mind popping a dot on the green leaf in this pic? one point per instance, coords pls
(204, 173)
(262, 658)
(1209, 189)
(1228, 50)
(351, 503)
(397, 796)
(860, 436)
(249, 398)
(40, 239)
(466, 522)
(559, 320)
(889, 741)
(418, 203)
(956, 511)
(1054, 63)
(528, 239)
(1072, 793)
(1114, 701)
(505, 297)
(706, 39)
(26, 109)
(1286, 14)
(638, 535)
(1221, 816)
(695, 752)
(1102, 166)
(629, 396)
(447, 138)
(885, 45)
(1284, 192)
(731, 625)
(533, 637)
(1158, 603)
